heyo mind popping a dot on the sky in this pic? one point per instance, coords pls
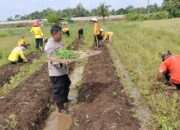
(12, 7)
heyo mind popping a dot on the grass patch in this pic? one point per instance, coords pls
(138, 45)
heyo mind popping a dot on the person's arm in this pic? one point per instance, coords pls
(23, 56)
(104, 36)
(60, 61)
(160, 76)
(49, 51)
(98, 29)
(31, 30)
(162, 69)
(41, 32)
(95, 29)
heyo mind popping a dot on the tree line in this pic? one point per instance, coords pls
(168, 9)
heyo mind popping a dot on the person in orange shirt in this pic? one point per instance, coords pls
(170, 69)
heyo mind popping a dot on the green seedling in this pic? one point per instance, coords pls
(66, 54)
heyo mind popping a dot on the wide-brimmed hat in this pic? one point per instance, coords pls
(94, 19)
(102, 30)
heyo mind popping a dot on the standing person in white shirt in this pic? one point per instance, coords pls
(58, 72)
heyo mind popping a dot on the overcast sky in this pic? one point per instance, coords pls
(11, 7)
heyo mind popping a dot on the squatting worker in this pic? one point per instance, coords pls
(38, 34)
(58, 72)
(17, 54)
(108, 36)
(105, 36)
(170, 69)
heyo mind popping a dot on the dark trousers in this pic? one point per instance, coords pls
(98, 39)
(167, 77)
(80, 33)
(67, 33)
(61, 87)
(39, 43)
(20, 60)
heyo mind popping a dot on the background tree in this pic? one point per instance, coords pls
(173, 7)
(103, 10)
(80, 11)
(121, 11)
(53, 17)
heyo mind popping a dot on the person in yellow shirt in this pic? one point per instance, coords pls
(104, 36)
(38, 34)
(66, 30)
(96, 31)
(108, 36)
(17, 54)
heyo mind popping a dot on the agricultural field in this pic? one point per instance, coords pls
(103, 100)
(138, 46)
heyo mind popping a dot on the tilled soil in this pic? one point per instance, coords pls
(28, 103)
(103, 104)
(9, 70)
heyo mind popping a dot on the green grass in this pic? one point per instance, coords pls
(138, 45)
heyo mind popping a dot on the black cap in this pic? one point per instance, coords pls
(55, 28)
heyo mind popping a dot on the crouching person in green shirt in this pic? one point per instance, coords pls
(58, 72)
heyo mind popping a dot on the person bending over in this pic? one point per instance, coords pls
(17, 54)
(170, 69)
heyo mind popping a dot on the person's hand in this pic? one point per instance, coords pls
(62, 61)
(26, 60)
(67, 62)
